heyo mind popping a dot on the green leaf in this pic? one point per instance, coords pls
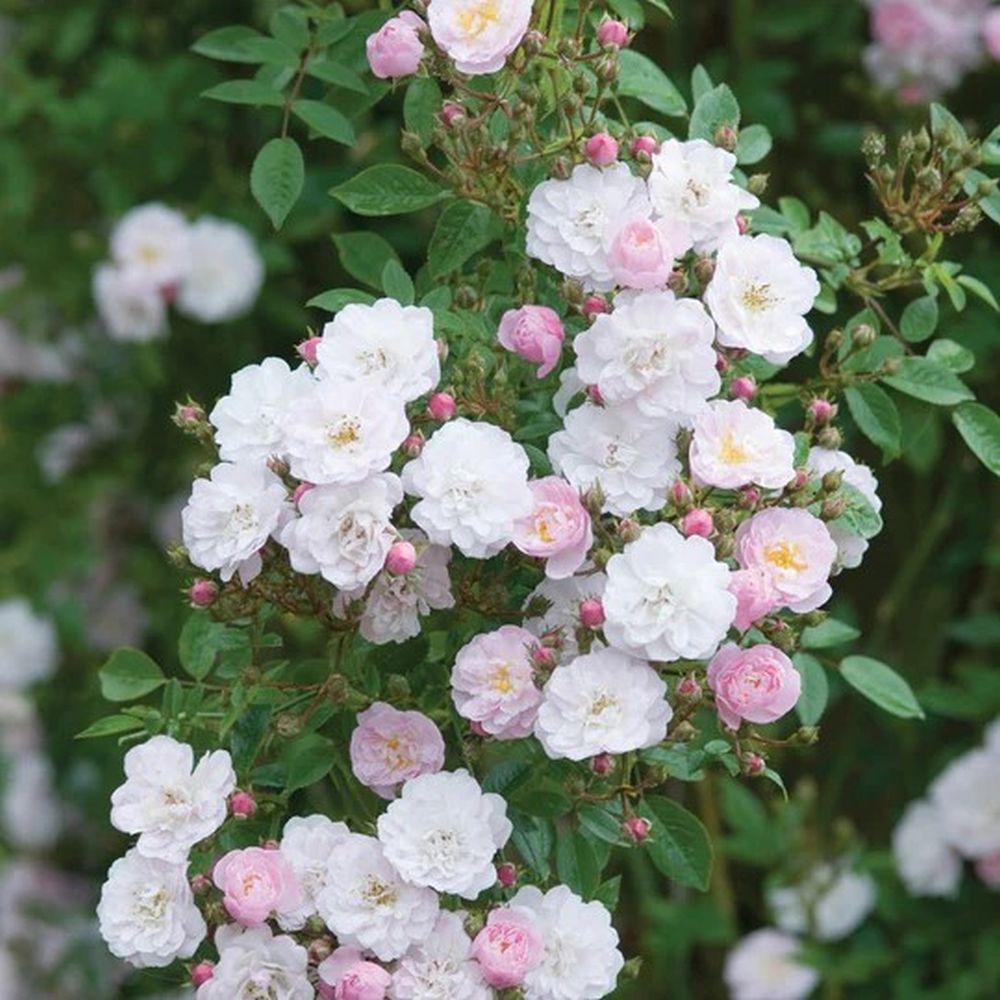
(945, 126)
(463, 229)
(397, 284)
(701, 82)
(271, 51)
(608, 892)
(545, 798)
(753, 145)
(815, 688)
(388, 189)
(919, 319)
(980, 289)
(601, 823)
(641, 78)
(828, 634)
(950, 355)
(876, 416)
(980, 429)
(276, 178)
(110, 725)
(881, 684)
(576, 864)
(245, 92)
(923, 379)
(421, 106)
(327, 121)
(859, 517)
(200, 642)
(339, 76)
(129, 674)
(533, 839)
(335, 299)
(290, 25)
(227, 44)
(309, 758)
(991, 203)
(678, 843)
(716, 108)
(991, 148)
(364, 256)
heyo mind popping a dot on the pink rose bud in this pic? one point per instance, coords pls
(601, 149)
(202, 973)
(642, 253)
(413, 446)
(743, 387)
(402, 558)
(441, 406)
(991, 39)
(722, 363)
(452, 114)
(594, 395)
(749, 497)
(255, 883)
(352, 976)
(308, 348)
(242, 805)
(688, 687)
(754, 765)
(319, 950)
(680, 493)
(637, 828)
(698, 522)
(595, 305)
(506, 874)
(544, 657)
(395, 50)
(592, 613)
(535, 333)
(557, 530)
(478, 729)
(203, 593)
(602, 764)
(612, 32)
(200, 884)
(644, 145)
(758, 684)
(742, 224)
(801, 480)
(189, 415)
(988, 870)
(508, 947)
(822, 411)
(300, 491)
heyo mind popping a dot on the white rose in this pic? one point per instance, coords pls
(479, 34)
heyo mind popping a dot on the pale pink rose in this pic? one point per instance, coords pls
(508, 947)
(642, 253)
(899, 25)
(535, 333)
(754, 597)
(493, 682)
(389, 747)
(757, 684)
(351, 977)
(991, 32)
(256, 883)
(988, 870)
(794, 551)
(395, 50)
(558, 530)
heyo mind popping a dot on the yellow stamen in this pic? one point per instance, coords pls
(785, 555)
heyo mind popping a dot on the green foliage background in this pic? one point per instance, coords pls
(100, 110)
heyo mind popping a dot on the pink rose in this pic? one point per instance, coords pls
(558, 530)
(389, 747)
(642, 253)
(352, 977)
(988, 870)
(991, 32)
(757, 684)
(508, 947)
(395, 50)
(795, 553)
(256, 883)
(535, 333)
(754, 597)
(493, 682)
(898, 25)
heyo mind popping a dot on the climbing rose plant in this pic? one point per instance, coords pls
(524, 544)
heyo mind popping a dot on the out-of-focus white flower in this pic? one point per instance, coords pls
(169, 801)
(154, 243)
(472, 480)
(829, 903)
(967, 797)
(131, 308)
(230, 517)
(764, 966)
(926, 862)
(28, 647)
(387, 346)
(147, 912)
(32, 816)
(581, 959)
(442, 966)
(224, 274)
(444, 831)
